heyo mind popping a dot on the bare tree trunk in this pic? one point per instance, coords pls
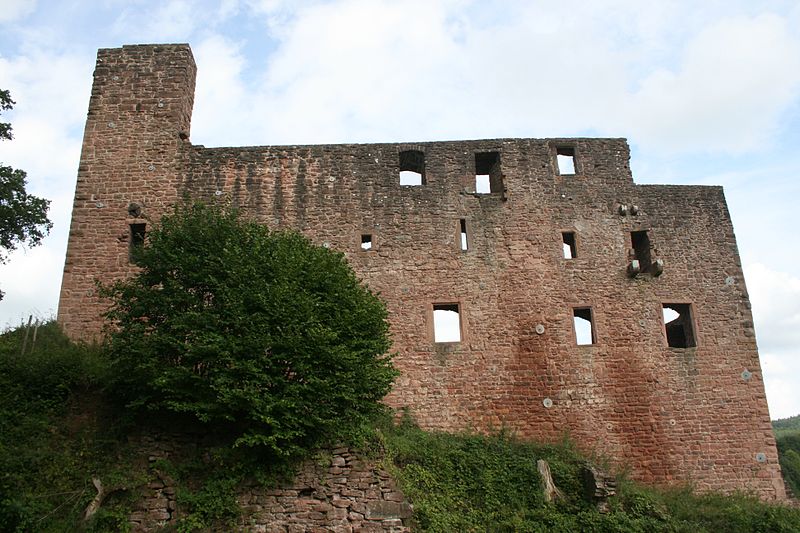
(95, 504)
(551, 492)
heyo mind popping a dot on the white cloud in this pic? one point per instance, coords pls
(14, 10)
(51, 94)
(735, 79)
(358, 70)
(781, 380)
(775, 296)
(36, 275)
(222, 111)
(170, 21)
(376, 71)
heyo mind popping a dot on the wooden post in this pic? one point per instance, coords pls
(35, 331)
(27, 331)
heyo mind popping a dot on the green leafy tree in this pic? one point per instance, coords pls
(259, 333)
(23, 217)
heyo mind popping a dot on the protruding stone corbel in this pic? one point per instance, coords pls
(634, 268)
(657, 267)
(134, 210)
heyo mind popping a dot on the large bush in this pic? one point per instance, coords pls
(257, 332)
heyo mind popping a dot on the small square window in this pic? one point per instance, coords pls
(565, 157)
(568, 245)
(584, 326)
(678, 325)
(366, 242)
(488, 177)
(412, 168)
(446, 323)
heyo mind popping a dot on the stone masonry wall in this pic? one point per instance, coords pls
(696, 413)
(347, 494)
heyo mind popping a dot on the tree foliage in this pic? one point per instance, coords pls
(23, 217)
(258, 332)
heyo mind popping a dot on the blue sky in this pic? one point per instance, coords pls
(706, 93)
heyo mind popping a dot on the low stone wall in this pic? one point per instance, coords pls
(350, 494)
(347, 493)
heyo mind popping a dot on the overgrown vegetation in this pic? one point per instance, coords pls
(258, 334)
(54, 434)
(787, 435)
(57, 431)
(477, 483)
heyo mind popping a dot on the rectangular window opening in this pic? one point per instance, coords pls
(446, 323)
(483, 184)
(366, 242)
(641, 249)
(464, 243)
(136, 239)
(569, 248)
(488, 178)
(678, 325)
(412, 168)
(584, 326)
(565, 157)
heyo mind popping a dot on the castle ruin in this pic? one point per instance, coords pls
(583, 303)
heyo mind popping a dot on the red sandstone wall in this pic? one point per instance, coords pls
(670, 413)
(133, 151)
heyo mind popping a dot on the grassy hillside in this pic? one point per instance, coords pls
(57, 430)
(787, 436)
(785, 425)
(478, 483)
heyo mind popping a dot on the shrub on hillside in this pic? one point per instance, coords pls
(789, 456)
(257, 332)
(48, 453)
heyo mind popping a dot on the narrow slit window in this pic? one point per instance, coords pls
(446, 323)
(641, 249)
(488, 178)
(136, 239)
(464, 241)
(678, 325)
(584, 326)
(412, 168)
(366, 242)
(568, 244)
(565, 157)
